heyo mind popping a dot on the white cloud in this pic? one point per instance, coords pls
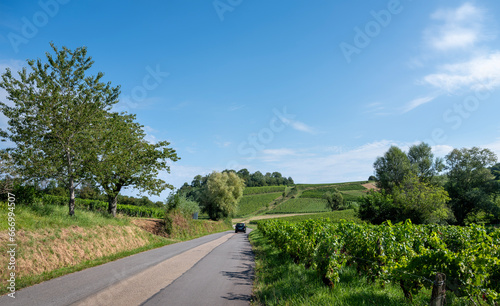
(417, 102)
(459, 28)
(235, 107)
(479, 73)
(299, 126)
(12, 64)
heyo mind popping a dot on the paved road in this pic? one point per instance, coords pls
(211, 270)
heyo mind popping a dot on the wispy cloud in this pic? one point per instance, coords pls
(417, 102)
(458, 28)
(479, 73)
(299, 126)
(377, 109)
(235, 107)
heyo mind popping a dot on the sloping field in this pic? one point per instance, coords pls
(251, 203)
(301, 205)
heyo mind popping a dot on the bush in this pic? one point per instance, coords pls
(418, 201)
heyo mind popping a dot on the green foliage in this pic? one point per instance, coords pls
(54, 116)
(471, 185)
(334, 200)
(96, 205)
(123, 157)
(181, 203)
(391, 168)
(412, 199)
(221, 195)
(404, 254)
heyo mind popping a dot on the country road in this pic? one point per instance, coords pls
(216, 269)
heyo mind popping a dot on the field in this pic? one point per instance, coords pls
(334, 216)
(301, 205)
(254, 202)
(263, 189)
(387, 256)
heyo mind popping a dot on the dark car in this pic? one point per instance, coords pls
(240, 227)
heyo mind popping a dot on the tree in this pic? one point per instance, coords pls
(55, 111)
(424, 165)
(334, 200)
(391, 168)
(221, 195)
(421, 202)
(124, 158)
(470, 183)
(412, 199)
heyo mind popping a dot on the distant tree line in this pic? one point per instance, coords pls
(458, 189)
(219, 192)
(256, 179)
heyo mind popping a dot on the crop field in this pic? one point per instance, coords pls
(252, 203)
(263, 189)
(351, 190)
(402, 254)
(333, 216)
(301, 205)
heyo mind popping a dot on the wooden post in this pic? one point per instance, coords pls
(438, 297)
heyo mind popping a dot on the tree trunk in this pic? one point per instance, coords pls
(71, 196)
(112, 203)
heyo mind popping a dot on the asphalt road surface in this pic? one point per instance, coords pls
(216, 269)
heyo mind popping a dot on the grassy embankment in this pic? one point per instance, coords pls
(52, 244)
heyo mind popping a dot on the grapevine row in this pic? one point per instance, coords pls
(406, 254)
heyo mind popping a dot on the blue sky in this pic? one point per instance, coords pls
(313, 89)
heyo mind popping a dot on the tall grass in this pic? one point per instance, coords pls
(38, 216)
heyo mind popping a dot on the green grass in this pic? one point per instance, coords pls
(251, 203)
(279, 281)
(301, 205)
(54, 216)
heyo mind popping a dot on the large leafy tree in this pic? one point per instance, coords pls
(122, 157)
(470, 183)
(391, 168)
(334, 200)
(221, 194)
(423, 163)
(53, 113)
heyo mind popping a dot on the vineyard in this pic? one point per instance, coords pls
(263, 189)
(251, 203)
(95, 205)
(301, 205)
(405, 254)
